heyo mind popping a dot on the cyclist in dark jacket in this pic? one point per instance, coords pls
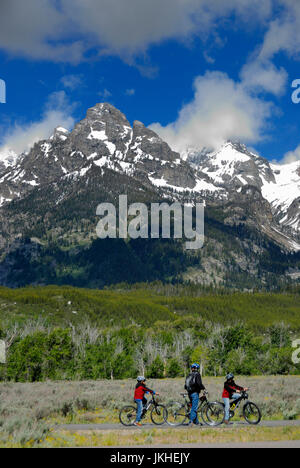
(194, 386)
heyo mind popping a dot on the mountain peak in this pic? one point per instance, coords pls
(241, 148)
(105, 111)
(60, 133)
(137, 123)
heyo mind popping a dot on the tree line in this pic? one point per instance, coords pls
(38, 352)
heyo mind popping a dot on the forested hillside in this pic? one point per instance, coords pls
(68, 333)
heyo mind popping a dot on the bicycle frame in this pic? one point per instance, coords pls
(235, 404)
(150, 403)
(188, 404)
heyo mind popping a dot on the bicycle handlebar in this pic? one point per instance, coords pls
(186, 394)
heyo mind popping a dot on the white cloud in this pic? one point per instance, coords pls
(221, 109)
(283, 34)
(134, 25)
(37, 30)
(264, 76)
(130, 92)
(130, 27)
(208, 58)
(292, 156)
(72, 82)
(21, 138)
(65, 30)
(105, 94)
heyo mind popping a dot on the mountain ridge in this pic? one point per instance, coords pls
(50, 195)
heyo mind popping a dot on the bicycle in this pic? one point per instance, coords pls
(251, 411)
(212, 413)
(158, 414)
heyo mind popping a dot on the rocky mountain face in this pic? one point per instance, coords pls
(104, 139)
(234, 172)
(48, 201)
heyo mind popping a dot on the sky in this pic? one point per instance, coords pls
(198, 72)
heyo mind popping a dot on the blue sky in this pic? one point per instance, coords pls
(196, 71)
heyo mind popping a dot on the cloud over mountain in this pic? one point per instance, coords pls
(57, 112)
(222, 109)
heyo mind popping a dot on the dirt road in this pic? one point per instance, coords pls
(118, 427)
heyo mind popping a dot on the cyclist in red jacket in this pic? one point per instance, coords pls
(231, 391)
(139, 398)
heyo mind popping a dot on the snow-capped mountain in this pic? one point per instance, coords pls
(284, 194)
(233, 167)
(51, 194)
(106, 140)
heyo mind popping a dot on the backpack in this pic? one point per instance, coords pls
(190, 382)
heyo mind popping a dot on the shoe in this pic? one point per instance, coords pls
(226, 422)
(137, 424)
(192, 424)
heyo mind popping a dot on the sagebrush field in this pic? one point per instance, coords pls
(29, 411)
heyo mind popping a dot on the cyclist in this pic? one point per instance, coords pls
(231, 391)
(139, 398)
(194, 386)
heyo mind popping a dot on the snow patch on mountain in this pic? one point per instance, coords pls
(101, 135)
(201, 186)
(286, 188)
(97, 135)
(60, 133)
(233, 166)
(8, 158)
(46, 148)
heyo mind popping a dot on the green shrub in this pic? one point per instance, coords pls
(156, 369)
(174, 368)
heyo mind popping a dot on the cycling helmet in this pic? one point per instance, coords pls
(141, 378)
(195, 366)
(229, 376)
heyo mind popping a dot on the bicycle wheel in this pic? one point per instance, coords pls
(213, 413)
(159, 415)
(252, 413)
(127, 415)
(176, 413)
